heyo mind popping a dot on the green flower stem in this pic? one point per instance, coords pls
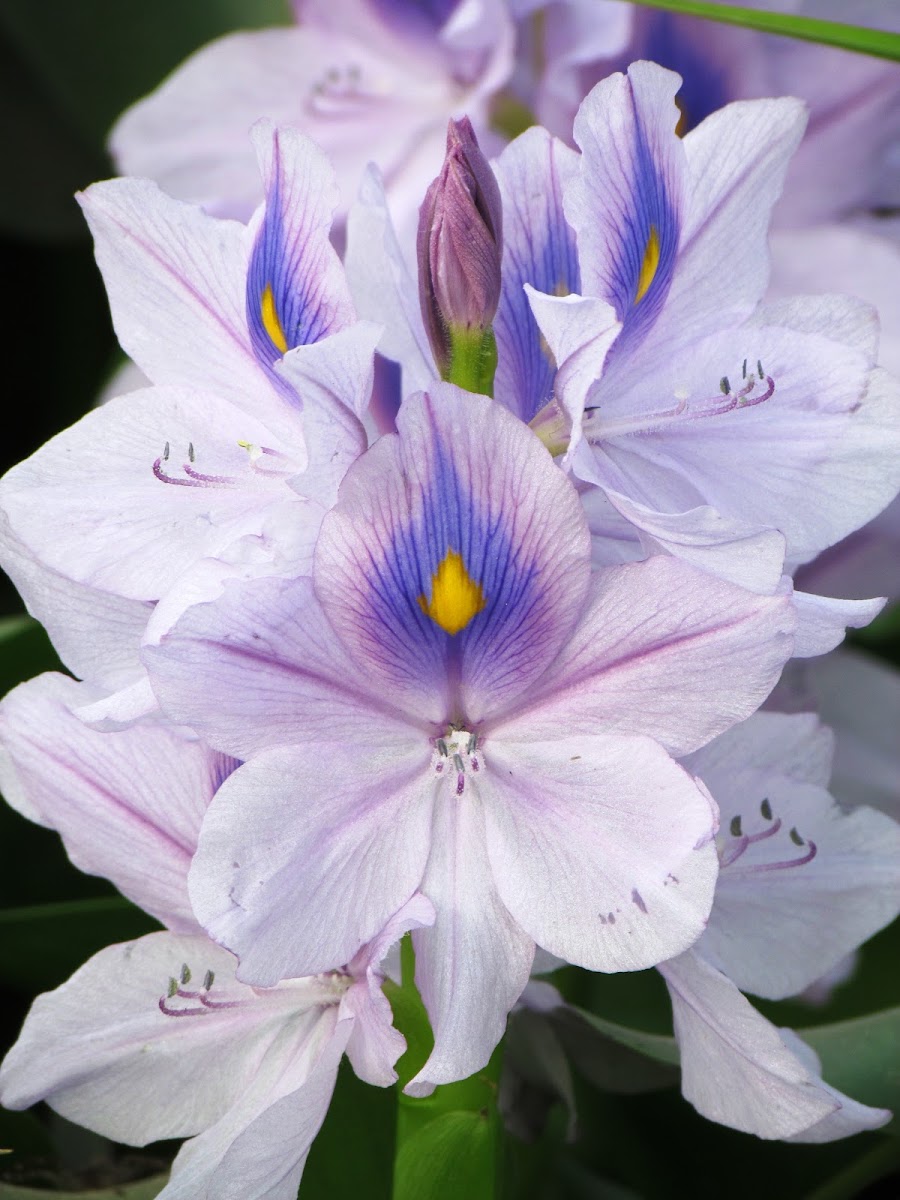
(876, 42)
(449, 1144)
(473, 360)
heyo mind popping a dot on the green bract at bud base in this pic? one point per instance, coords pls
(473, 359)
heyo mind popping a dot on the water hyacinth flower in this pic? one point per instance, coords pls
(368, 80)
(262, 373)
(621, 351)
(801, 884)
(454, 705)
(156, 1038)
(711, 419)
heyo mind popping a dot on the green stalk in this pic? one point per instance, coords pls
(449, 1144)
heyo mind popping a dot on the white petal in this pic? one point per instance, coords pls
(594, 843)
(472, 965)
(735, 1068)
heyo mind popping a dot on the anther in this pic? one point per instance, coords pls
(744, 370)
(759, 369)
(166, 453)
(208, 980)
(735, 827)
(190, 451)
(766, 809)
(172, 989)
(796, 838)
(185, 973)
(724, 386)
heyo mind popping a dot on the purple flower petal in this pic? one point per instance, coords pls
(538, 249)
(296, 291)
(456, 559)
(336, 832)
(593, 842)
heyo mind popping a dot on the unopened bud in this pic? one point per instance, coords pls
(459, 247)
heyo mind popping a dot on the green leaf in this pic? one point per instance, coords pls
(608, 1062)
(123, 50)
(66, 73)
(449, 1158)
(365, 1118)
(653, 1045)
(41, 946)
(22, 1135)
(144, 1189)
(808, 29)
(25, 650)
(862, 1057)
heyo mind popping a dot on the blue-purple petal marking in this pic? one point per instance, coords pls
(626, 201)
(652, 229)
(439, 567)
(539, 248)
(296, 292)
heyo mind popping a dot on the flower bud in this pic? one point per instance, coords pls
(459, 248)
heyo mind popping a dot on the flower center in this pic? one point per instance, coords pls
(456, 751)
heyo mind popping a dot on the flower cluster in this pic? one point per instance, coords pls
(472, 647)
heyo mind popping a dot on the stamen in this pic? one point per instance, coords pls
(179, 1012)
(729, 854)
(201, 478)
(766, 833)
(457, 747)
(597, 427)
(791, 862)
(340, 93)
(732, 853)
(194, 478)
(177, 990)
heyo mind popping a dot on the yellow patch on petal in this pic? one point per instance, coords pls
(455, 596)
(271, 323)
(684, 119)
(648, 266)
